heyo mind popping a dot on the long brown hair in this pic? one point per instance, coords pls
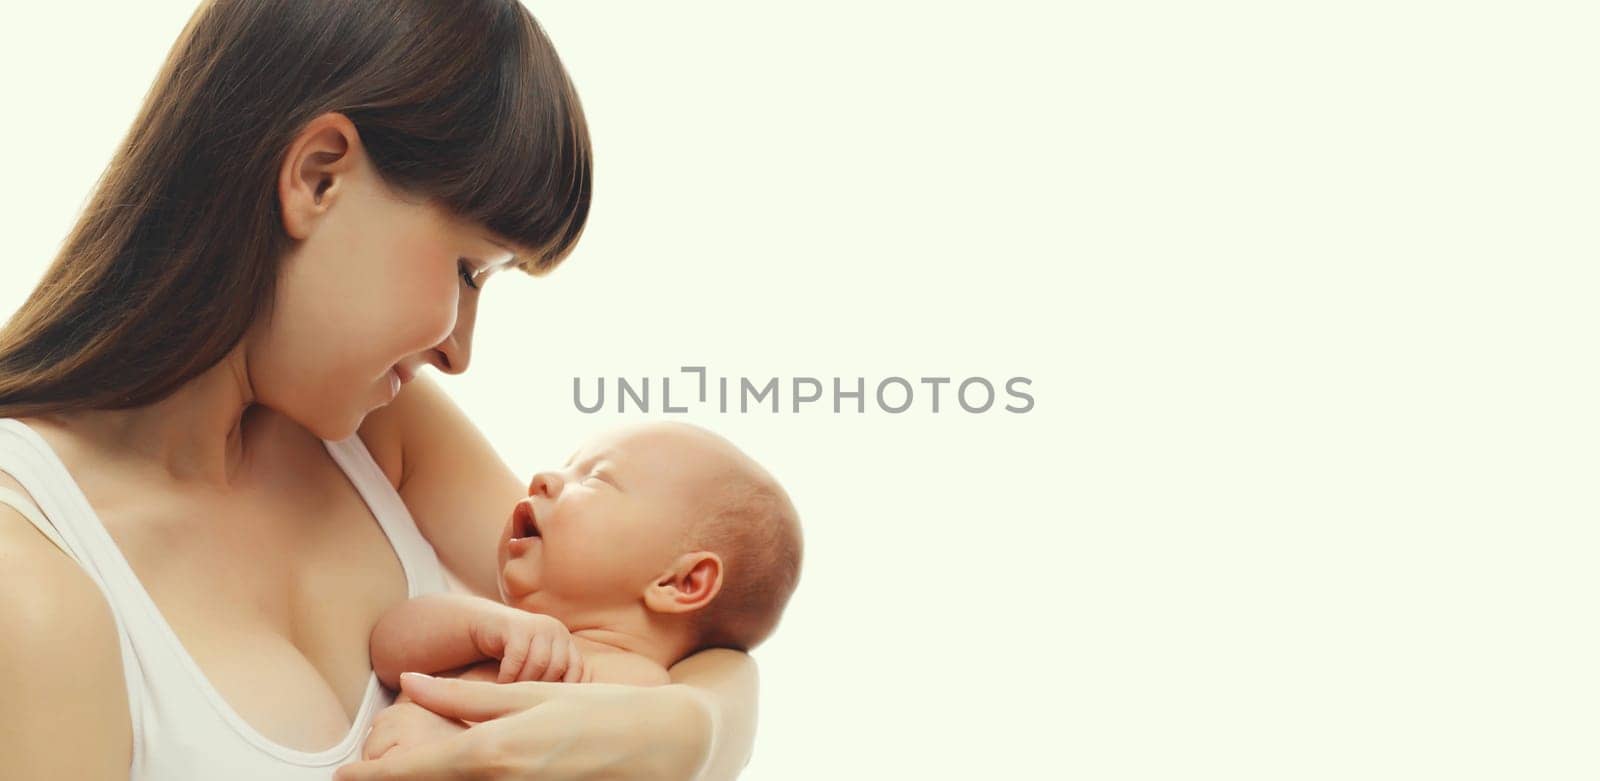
(462, 102)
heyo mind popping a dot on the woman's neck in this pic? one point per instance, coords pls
(195, 435)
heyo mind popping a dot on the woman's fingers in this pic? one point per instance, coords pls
(473, 700)
(549, 731)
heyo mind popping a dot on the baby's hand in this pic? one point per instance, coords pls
(535, 647)
(404, 725)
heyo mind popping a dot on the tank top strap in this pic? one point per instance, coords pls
(48, 499)
(25, 506)
(419, 561)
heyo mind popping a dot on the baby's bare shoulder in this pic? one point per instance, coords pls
(626, 668)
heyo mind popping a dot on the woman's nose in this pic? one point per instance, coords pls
(455, 352)
(546, 483)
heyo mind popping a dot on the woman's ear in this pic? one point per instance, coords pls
(314, 172)
(689, 584)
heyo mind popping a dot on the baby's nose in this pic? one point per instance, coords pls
(547, 483)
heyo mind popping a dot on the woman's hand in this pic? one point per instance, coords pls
(552, 732)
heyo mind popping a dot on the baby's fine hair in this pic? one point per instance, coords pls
(749, 521)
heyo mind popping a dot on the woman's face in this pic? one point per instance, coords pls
(377, 286)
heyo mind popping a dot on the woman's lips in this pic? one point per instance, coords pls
(398, 377)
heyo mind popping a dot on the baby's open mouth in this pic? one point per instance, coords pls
(523, 522)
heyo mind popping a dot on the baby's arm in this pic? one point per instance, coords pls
(428, 634)
(439, 632)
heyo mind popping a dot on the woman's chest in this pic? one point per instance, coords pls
(272, 589)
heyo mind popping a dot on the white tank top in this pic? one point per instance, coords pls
(182, 727)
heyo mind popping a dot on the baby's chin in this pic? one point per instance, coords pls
(509, 594)
(513, 596)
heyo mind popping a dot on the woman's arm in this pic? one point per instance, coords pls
(727, 682)
(456, 486)
(64, 707)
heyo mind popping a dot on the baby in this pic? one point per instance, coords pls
(653, 542)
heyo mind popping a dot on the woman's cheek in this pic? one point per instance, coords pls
(428, 321)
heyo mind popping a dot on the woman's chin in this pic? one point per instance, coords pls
(326, 423)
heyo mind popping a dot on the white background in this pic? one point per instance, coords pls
(1306, 292)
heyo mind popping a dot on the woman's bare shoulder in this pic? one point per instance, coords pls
(42, 590)
(380, 432)
(422, 428)
(457, 487)
(61, 662)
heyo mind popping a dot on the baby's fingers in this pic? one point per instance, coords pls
(378, 743)
(560, 658)
(511, 663)
(576, 666)
(539, 653)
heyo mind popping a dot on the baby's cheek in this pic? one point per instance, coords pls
(568, 570)
(618, 569)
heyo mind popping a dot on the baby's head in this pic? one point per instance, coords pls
(662, 521)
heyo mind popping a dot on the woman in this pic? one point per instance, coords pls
(200, 508)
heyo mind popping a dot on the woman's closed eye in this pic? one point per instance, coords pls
(468, 276)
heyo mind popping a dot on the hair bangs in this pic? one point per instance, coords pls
(531, 179)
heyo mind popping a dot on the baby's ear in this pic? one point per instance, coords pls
(688, 585)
